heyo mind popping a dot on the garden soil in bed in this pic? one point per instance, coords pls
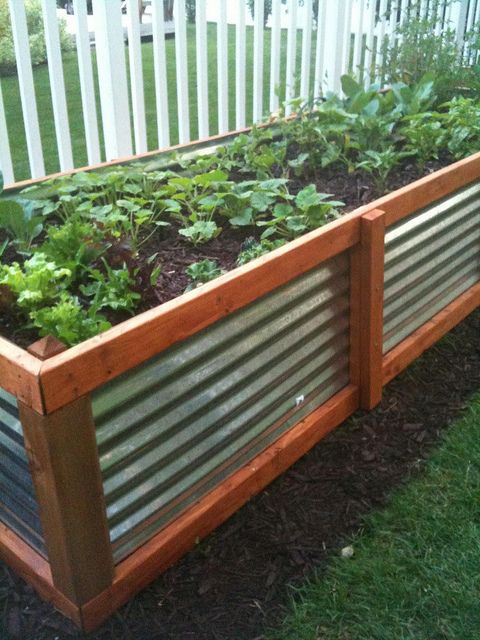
(174, 254)
(235, 583)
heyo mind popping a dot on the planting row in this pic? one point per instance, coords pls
(83, 252)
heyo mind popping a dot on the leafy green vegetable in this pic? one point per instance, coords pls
(202, 272)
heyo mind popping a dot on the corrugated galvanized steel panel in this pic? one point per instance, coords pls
(173, 428)
(18, 504)
(431, 258)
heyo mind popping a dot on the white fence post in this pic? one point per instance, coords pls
(320, 50)
(202, 68)
(181, 67)
(5, 157)
(87, 88)
(291, 55)
(136, 76)
(275, 56)
(57, 85)
(358, 45)
(258, 61)
(222, 67)
(334, 44)
(306, 50)
(27, 90)
(112, 77)
(160, 68)
(240, 66)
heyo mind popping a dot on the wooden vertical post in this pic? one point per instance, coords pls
(65, 468)
(367, 282)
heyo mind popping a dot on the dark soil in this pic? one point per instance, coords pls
(234, 585)
(175, 254)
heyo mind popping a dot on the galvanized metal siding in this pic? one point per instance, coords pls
(175, 427)
(431, 258)
(18, 504)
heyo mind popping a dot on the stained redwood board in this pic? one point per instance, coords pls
(144, 565)
(19, 373)
(412, 347)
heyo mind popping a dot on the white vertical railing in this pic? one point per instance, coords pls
(181, 67)
(160, 71)
(6, 166)
(320, 48)
(291, 56)
(202, 68)
(222, 67)
(275, 34)
(136, 76)
(240, 53)
(306, 49)
(57, 85)
(87, 88)
(258, 61)
(27, 90)
(340, 25)
(112, 77)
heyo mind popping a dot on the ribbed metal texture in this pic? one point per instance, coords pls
(173, 428)
(18, 504)
(431, 258)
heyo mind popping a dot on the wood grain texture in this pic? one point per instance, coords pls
(398, 358)
(94, 362)
(371, 276)
(35, 570)
(19, 374)
(144, 565)
(64, 463)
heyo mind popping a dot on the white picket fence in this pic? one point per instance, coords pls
(347, 30)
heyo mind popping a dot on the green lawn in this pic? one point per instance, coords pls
(415, 573)
(14, 113)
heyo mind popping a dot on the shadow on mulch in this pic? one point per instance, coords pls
(234, 584)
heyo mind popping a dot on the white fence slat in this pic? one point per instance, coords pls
(320, 50)
(370, 42)
(87, 87)
(222, 67)
(202, 68)
(334, 44)
(358, 44)
(181, 68)
(6, 166)
(136, 76)
(258, 61)
(291, 55)
(112, 77)
(27, 90)
(306, 50)
(346, 35)
(160, 72)
(57, 85)
(382, 28)
(240, 67)
(275, 56)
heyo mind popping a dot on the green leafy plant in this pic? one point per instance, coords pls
(19, 220)
(112, 289)
(462, 125)
(379, 164)
(252, 249)
(424, 137)
(202, 272)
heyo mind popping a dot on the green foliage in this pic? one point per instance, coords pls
(36, 32)
(462, 124)
(424, 136)
(379, 164)
(202, 272)
(418, 46)
(112, 289)
(252, 249)
(18, 219)
(68, 321)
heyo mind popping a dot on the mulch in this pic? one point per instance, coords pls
(237, 582)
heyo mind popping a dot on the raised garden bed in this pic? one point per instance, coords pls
(144, 438)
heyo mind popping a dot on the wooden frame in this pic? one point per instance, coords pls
(52, 387)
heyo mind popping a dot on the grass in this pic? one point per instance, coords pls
(42, 87)
(416, 568)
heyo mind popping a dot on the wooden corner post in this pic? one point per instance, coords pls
(64, 462)
(367, 284)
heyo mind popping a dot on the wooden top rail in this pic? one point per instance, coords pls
(19, 374)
